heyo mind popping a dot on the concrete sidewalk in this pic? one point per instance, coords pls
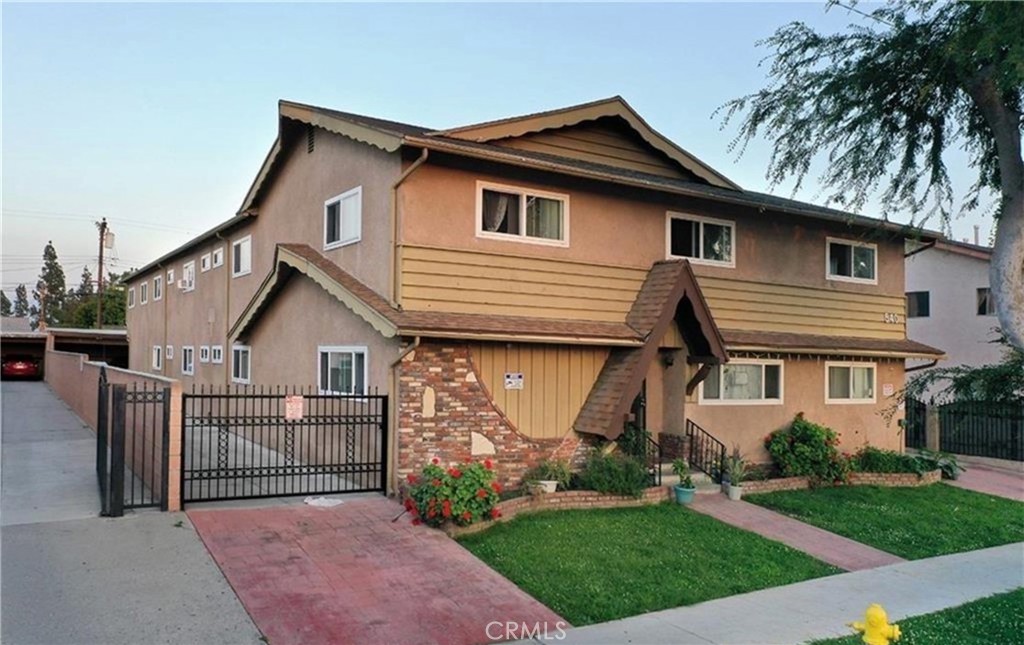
(820, 608)
(992, 481)
(824, 545)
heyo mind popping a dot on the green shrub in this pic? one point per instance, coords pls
(806, 449)
(633, 441)
(614, 473)
(875, 460)
(944, 461)
(549, 470)
(463, 493)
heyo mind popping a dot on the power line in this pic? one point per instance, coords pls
(27, 213)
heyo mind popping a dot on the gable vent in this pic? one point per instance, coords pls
(310, 139)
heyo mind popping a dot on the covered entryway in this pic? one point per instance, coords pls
(253, 442)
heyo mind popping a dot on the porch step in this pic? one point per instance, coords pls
(696, 475)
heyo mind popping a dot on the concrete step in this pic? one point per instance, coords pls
(699, 480)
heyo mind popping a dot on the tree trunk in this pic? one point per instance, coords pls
(1006, 273)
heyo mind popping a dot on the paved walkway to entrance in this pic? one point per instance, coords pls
(819, 608)
(1002, 483)
(349, 574)
(827, 547)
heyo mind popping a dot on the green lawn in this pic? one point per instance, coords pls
(996, 619)
(591, 566)
(909, 522)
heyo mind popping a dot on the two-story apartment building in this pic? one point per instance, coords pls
(516, 285)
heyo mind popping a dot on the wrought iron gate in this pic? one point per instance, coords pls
(132, 432)
(250, 442)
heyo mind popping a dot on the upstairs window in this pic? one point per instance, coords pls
(188, 276)
(158, 288)
(158, 357)
(342, 370)
(170, 278)
(849, 382)
(217, 354)
(739, 382)
(986, 303)
(851, 261)
(131, 297)
(188, 360)
(144, 293)
(918, 304)
(524, 215)
(170, 352)
(701, 240)
(205, 262)
(241, 256)
(218, 257)
(343, 216)
(204, 353)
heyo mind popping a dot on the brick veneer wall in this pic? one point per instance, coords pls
(462, 405)
(562, 501)
(856, 479)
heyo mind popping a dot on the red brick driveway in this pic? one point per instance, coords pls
(349, 574)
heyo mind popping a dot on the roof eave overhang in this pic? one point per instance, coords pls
(521, 338)
(817, 351)
(235, 221)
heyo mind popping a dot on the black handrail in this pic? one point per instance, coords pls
(653, 460)
(707, 454)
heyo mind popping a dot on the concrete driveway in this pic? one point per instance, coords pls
(70, 576)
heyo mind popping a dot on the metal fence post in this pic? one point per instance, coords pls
(384, 425)
(102, 429)
(117, 451)
(165, 449)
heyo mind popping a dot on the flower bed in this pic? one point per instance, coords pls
(562, 500)
(854, 479)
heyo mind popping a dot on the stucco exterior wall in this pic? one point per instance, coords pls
(953, 324)
(804, 391)
(291, 211)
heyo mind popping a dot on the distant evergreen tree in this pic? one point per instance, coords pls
(50, 286)
(85, 287)
(5, 305)
(21, 301)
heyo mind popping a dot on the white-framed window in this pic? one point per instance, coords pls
(170, 278)
(131, 297)
(169, 352)
(158, 288)
(743, 382)
(204, 353)
(205, 262)
(701, 240)
(521, 214)
(342, 369)
(217, 354)
(850, 382)
(144, 293)
(343, 219)
(850, 261)
(986, 303)
(218, 257)
(241, 257)
(158, 357)
(241, 365)
(188, 360)
(188, 276)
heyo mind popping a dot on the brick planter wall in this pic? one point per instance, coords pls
(442, 402)
(856, 479)
(563, 500)
(772, 485)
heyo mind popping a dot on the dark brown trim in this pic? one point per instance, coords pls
(701, 374)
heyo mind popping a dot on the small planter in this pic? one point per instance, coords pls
(735, 492)
(547, 485)
(683, 495)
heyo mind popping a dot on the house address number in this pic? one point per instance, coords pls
(891, 318)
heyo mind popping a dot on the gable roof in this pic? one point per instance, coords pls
(614, 106)
(670, 293)
(390, 321)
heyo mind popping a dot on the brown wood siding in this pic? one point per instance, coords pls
(739, 304)
(472, 282)
(598, 143)
(556, 382)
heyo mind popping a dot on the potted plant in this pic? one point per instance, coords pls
(548, 475)
(685, 489)
(737, 470)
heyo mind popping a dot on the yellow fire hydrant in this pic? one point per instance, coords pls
(876, 627)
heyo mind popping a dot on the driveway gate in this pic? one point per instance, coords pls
(132, 431)
(249, 442)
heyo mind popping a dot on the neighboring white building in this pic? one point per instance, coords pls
(949, 304)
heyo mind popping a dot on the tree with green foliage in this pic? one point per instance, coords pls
(21, 307)
(1002, 382)
(5, 305)
(884, 103)
(51, 287)
(85, 287)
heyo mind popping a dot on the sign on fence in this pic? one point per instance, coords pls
(293, 407)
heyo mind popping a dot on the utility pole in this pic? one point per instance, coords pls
(102, 224)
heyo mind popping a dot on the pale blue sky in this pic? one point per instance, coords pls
(158, 115)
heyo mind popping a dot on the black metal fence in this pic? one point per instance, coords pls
(257, 441)
(983, 429)
(132, 432)
(707, 454)
(914, 423)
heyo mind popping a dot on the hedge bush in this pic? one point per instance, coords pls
(806, 449)
(615, 473)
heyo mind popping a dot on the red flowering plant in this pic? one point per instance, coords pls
(462, 493)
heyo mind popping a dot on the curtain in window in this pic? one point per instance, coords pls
(862, 383)
(496, 210)
(839, 382)
(544, 218)
(717, 242)
(742, 382)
